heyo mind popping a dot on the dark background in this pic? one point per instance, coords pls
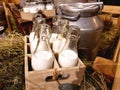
(111, 2)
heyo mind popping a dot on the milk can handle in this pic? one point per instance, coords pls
(69, 9)
(82, 6)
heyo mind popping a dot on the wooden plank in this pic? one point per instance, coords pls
(114, 11)
(116, 83)
(111, 9)
(116, 54)
(14, 10)
(24, 26)
(7, 17)
(105, 66)
(49, 13)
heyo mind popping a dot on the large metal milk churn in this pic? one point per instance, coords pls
(85, 15)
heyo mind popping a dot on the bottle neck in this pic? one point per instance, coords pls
(71, 43)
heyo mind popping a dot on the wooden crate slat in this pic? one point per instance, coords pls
(111, 9)
(116, 83)
(116, 54)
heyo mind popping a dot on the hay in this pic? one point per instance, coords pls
(108, 42)
(11, 62)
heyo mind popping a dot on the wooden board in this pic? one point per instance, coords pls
(114, 11)
(111, 9)
(7, 17)
(105, 66)
(116, 83)
(25, 26)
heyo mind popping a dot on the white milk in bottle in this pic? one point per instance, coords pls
(42, 56)
(35, 33)
(42, 60)
(68, 58)
(60, 28)
(58, 44)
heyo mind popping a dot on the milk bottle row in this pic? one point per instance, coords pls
(47, 42)
(34, 7)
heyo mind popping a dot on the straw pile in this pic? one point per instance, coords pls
(11, 62)
(109, 39)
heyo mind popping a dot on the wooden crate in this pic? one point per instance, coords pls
(110, 68)
(114, 11)
(26, 16)
(43, 80)
(24, 26)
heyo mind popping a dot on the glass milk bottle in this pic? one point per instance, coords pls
(55, 29)
(60, 40)
(68, 57)
(34, 45)
(42, 58)
(38, 19)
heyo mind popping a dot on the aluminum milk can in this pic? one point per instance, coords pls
(85, 15)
